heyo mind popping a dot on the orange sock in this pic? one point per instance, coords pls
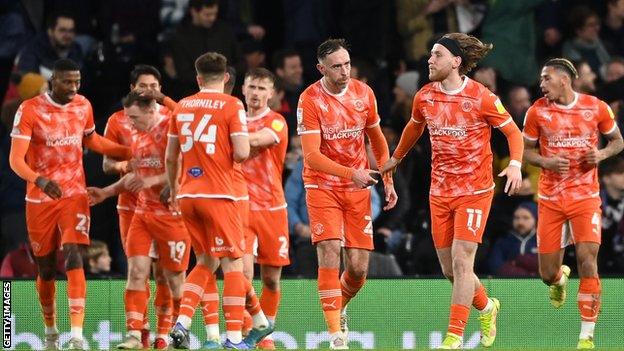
(247, 322)
(176, 308)
(135, 301)
(46, 290)
(252, 305)
(76, 293)
(193, 290)
(458, 319)
(331, 297)
(210, 301)
(350, 287)
(164, 309)
(589, 299)
(480, 298)
(148, 289)
(269, 301)
(234, 301)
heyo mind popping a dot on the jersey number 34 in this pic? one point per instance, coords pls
(203, 132)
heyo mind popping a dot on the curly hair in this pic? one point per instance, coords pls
(474, 50)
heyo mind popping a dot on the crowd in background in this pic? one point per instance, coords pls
(390, 42)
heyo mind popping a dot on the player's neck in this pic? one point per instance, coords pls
(452, 82)
(566, 98)
(56, 99)
(254, 112)
(332, 87)
(217, 86)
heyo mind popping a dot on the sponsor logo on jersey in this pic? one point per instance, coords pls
(195, 172)
(336, 132)
(571, 142)
(64, 141)
(452, 131)
(150, 162)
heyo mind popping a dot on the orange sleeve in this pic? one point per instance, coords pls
(413, 130)
(372, 119)
(111, 131)
(514, 140)
(169, 103)
(17, 160)
(606, 118)
(106, 147)
(531, 129)
(237, 119)
(311, 144)
(378, 144)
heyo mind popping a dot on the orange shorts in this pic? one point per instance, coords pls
(268, 236)
(125, 218)
(54, 223)
(344, 215)
(215, 226)
(460, 217)
(166, 233)
(564, 222)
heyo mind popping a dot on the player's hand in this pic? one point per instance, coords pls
(133, 183)
(165, 195)
(123, 167)
(514, 179)
(391, 196)
(557, 164)
(592, 157)
(173, 200)
(390, 166)
(49, 187)
(154, 94)
(364, 177)
(96, 195)
(386, 232)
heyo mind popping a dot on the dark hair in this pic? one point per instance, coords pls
(141, 70)
(199, 4)
(563, 65)
(473, 50)
(279, 58)
(135, 97)
(365, 69)
(52, 20)
(229, 85)
(211, 65)
(577, 17)
(63, 65)
(260, 73)
(611, 165)
(330, 46)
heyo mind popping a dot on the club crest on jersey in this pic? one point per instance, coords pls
(195, 172)
(466, 106)
(587, 115)
(358, 105)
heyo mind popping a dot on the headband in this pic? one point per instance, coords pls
(452, 46)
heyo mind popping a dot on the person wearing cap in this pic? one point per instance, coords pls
(567, 125)
(460, 113)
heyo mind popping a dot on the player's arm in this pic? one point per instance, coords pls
(97, 195)
(109, 165)
(161, 99)
(615, 144)
(410, 135)
(611, 132)
(172, 155)
(103, 146)
(239, 137)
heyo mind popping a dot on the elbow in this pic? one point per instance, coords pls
(240, 156)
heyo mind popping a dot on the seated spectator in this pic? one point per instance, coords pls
(585, 43)
(97, 260)
(612, 197)
(612, 31)
(615, 69)
(20, 263)
(515, 254)
(58, 42)
(586, 81)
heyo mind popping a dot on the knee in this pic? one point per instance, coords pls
(358, 273)
(461, 267)
(588, 267)
(159, 277)
(137, 274)
(270, 282)
(47, 272)
(73, 257)
(448, 273)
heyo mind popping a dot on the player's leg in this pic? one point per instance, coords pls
(586, 230)
(248, 264)
(163, 304)
(553, 235)
(41, 221)
(326, 221)
(74, 222)
(210, 313)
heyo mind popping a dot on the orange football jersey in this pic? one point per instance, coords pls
(569, 131)
(204, 124)
(459, 124)
(263, 171)
(341, 120)
(55, 132)
(119, 129)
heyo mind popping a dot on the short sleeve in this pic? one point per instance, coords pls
(173, 126)
(111, 131)
(307, 118)
(417, 116)
(606, 118)
(89, 126)
(372, 119)
(531, 129)
(277, 126)
(23, 122)
(237, 119)
(494, 112)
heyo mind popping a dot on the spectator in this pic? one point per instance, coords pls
(15, 31)
(586, 81)
(615, 69)
(612, 31)
(518, 102)
(585, 43)
(288, 67)
(204, 33)
(406, 86)
(515, 254)
(44, 49)
(20, 263)
(488, 77)
(612, 195)
(97, 260)
(240, 14)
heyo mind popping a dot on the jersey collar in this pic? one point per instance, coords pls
(258, 116)
(570, 105)
(344, 91)
(456, 91)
